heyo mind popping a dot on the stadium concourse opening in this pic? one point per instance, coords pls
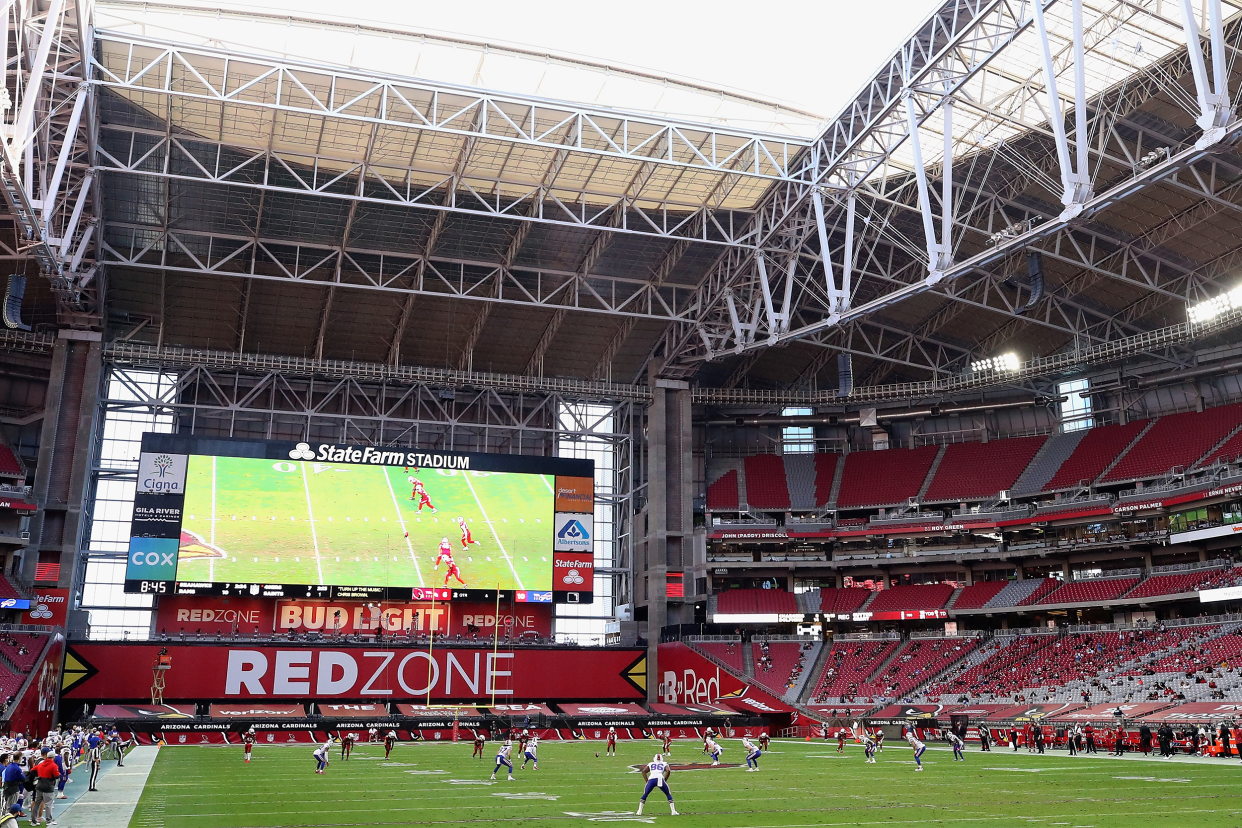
(404, 427)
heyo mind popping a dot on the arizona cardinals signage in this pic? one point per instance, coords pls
(122, 672)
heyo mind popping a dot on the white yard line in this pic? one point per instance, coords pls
(310, 510)
(466, 476)
(544, 478)
(211, 562)
(405, 532)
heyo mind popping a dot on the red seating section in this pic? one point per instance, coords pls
(848, 665)
(843, 599)
(877, 478)
(756, 601)
(916, 663)
(1172, 584)
(1210, 654)
(825, 470)
(1095, 589)
(766, 487)
(976, 595)
(998, 672)
(7, 590)
(1229, 451)
(730, 654)
(1043, 589)
(9, 466)
(969, 471)
(779, 675)
(722, 495)
(1176, 440)
(1099, 448)
(920, 597)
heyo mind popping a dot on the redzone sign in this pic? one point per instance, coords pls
(298, 673)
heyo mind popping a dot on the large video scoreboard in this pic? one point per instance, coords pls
(328, 520)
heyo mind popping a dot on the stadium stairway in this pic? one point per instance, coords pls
(1015, 593)
(837, 474)
(748, 663)
(948, 605)
(1227, 450)
(1046, 462)
(800, 480)
(794, 694)
(742, 496)
(813, 674)
(809, 601)
(931, 473)
(970, 647)
(870, 600)
(893, 656)
(1121, 454)
(974, 658)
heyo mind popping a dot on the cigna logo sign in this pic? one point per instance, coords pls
(161, 473)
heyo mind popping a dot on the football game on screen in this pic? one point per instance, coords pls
(308, 522)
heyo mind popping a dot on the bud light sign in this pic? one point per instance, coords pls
(574, 533)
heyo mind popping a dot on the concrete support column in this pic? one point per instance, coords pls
(670, 523)
(66, 453)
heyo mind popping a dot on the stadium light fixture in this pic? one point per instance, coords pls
(1003, 362)
(1209, 309)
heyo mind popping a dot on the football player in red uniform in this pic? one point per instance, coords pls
(466, 537)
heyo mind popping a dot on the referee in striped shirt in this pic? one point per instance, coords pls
(94, 757)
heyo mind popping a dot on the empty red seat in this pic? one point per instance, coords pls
(766, 487)
(1099, 448)
(976, 595)
(883, 478)
(722, 495)
(916, 597)
(973, 471)
(1176, 440)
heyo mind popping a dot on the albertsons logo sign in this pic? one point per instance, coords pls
(573, 533)
(161, 473)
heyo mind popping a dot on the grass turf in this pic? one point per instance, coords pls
(321, 523)
(800, 784)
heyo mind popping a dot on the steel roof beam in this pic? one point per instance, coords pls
(534, 204)
(409, 104)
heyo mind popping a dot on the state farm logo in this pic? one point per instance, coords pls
(302, 451)
(41, 611)
(571, 577)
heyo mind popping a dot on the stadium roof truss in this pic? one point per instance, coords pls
(1100, 135)
(380, 149)
(968, 148)
(47, 174)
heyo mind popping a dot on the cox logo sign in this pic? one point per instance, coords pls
(152, 559)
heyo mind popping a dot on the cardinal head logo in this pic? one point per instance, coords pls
(302, 451)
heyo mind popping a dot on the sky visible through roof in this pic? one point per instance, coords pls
(811, 54)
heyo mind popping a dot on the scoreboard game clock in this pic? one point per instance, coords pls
(334, 521)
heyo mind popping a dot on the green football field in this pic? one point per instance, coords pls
(295, 522)
(799, 784)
